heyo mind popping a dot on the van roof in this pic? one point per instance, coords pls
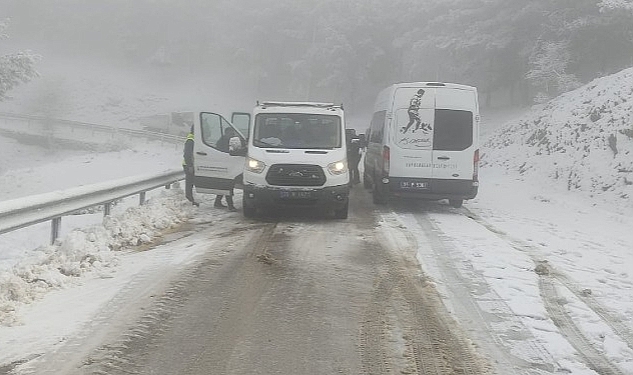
(299, 107)
(434, 84)
(297, 104)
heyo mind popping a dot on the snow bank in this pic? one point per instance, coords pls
(581, 141)
(88, 250)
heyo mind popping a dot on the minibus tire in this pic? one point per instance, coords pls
(457, 203)
(378, 196)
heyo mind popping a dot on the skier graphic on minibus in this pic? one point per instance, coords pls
(414, 115)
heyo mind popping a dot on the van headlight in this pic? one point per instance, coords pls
(254, 165)
(338, 167)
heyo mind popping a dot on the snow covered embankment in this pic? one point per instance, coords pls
(582, 141)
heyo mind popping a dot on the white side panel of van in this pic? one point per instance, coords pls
(411, 132)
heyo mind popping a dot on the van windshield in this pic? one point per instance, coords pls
(297, 130)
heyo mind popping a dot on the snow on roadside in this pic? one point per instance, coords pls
(88, 243)
(87, 250)
(581, 141)
(62, 169)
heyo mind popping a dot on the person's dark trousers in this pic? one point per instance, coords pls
(353, 169)
(218, 202)
(188, 184)
(229, 202)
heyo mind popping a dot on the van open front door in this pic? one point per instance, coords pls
(216, 169)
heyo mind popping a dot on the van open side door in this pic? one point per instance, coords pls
(216, 170)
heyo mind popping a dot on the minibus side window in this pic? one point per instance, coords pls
(453, 130)
(377, 128)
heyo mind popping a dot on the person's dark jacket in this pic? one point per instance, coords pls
(223, 143)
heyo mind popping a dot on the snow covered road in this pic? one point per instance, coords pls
(506, 299)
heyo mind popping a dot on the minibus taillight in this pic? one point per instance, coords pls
(386, 157)
(476, 166)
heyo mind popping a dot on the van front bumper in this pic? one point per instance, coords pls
(332, 197)
(432, 189)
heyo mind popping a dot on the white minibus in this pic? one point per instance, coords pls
(423, 143)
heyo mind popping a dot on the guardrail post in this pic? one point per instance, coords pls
(107, 208)
(141, 198)
(56, 224)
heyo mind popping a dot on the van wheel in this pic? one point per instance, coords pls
(248, 209)
(378, 196)
(366, 182)
(457, 203)
(342, 213)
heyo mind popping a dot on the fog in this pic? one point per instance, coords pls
(515, 52)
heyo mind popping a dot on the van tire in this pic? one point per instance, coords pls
(248, 209)
(342, 212)
(457, 203)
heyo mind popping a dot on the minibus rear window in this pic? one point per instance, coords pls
(453, 130)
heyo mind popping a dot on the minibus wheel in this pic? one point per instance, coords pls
(457, 203)
(378, 195)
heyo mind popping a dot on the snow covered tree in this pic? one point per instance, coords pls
(15, 68)
(616, 4)
(549, 70)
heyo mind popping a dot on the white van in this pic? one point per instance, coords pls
(296, 156)
(423, 142)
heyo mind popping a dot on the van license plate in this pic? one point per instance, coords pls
(413, 185)
(295, 194)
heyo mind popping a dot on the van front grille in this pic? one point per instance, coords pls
(295, 175)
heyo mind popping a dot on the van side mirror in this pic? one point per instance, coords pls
(238, 152)
(237, 147)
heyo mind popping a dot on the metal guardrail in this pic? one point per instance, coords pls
(45, 129)
(23, 212)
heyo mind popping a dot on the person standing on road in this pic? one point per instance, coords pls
(187, 165)
(224, 145)
(353, 155)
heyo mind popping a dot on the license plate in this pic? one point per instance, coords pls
(413, 185)
(295, 194)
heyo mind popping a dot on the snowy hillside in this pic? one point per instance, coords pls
(581, 141)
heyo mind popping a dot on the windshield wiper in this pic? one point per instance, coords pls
(259, 142)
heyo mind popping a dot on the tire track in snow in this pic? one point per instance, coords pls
(549, 277)
(485, 315)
